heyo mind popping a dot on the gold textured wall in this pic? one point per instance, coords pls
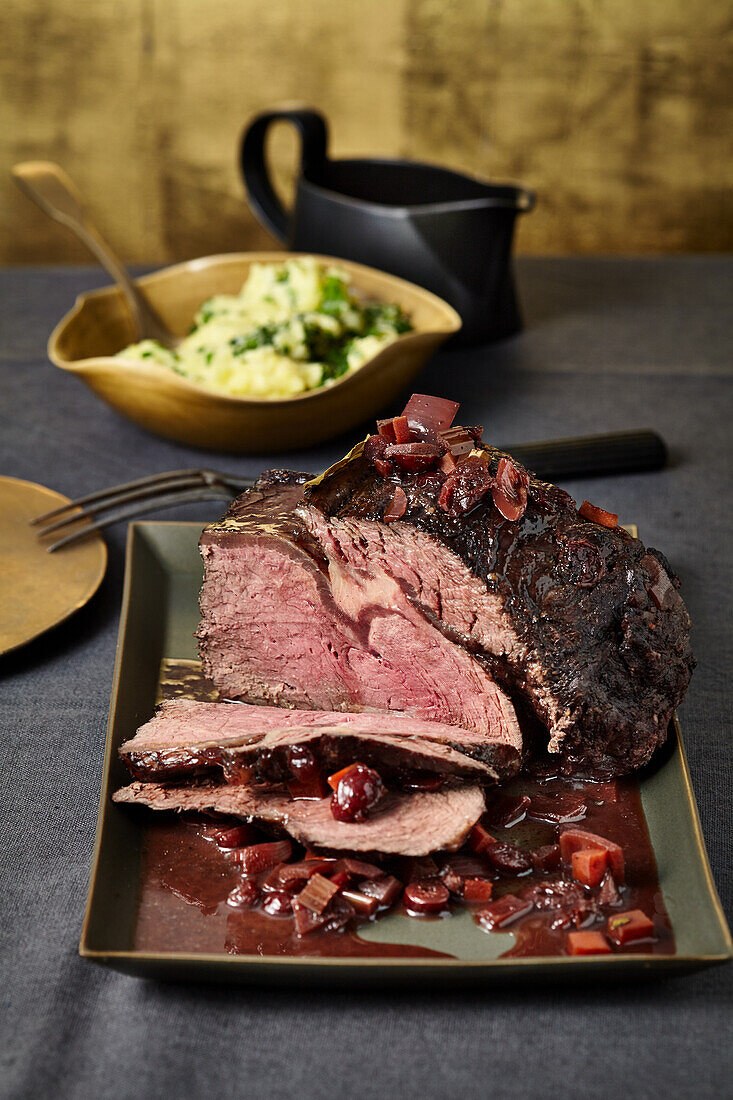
(617, 111)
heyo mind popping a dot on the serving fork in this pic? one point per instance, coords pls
(136, 498)
(587, 456)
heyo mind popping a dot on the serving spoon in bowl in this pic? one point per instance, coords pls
(58, 196)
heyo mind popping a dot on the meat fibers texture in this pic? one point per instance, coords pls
(190, 738)
(404, 824)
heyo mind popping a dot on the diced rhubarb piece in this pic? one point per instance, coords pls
(401, 429)
(588, 943)
(305, 920)
(317, 893)
(332, 919)
(609, 892)
(261, 857)
(503, 911)
(589, 866)
(546, 858)
(477, 889)
(479, 840)
(386, 890)
(509, 491)
(434, 412)
(384, 467)
(386, 430)
(597, 515)
(508, 858)
(558, 809)
(244, 895)
(459, 441)
(278, 903)
(396, 507)
(340, 879)
(297, 874)
(507, 810)
(413, 457)
(236, 837)
(357, 868)
(426, 898)
(364, 905)
(573, 840)
(630, 927)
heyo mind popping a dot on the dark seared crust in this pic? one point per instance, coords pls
(579, 598)
(259, 506)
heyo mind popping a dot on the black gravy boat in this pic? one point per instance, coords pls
(440, 229)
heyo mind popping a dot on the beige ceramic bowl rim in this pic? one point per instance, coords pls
(441, 309)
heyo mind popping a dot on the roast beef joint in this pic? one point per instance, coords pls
(400, 634)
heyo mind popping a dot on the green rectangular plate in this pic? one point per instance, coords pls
(159, 616)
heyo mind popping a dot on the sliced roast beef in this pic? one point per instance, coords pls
(384, 585)
(284, 624)
(187, 737)
(411, 825)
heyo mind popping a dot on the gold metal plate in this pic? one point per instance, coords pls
(38, 590)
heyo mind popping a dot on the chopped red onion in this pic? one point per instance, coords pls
(465, 487)
(509, 491)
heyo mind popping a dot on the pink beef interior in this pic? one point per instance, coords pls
(179, 723)
(289, 620)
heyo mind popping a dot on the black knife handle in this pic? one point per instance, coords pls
(593, 455)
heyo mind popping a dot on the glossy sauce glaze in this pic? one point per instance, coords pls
(613, 810)
(186, 879)
(184, 884)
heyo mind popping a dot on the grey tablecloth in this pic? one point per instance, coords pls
(610, 344)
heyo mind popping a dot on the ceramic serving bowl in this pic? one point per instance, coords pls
(86, 339)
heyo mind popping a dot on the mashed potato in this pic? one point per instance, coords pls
(293, 327)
